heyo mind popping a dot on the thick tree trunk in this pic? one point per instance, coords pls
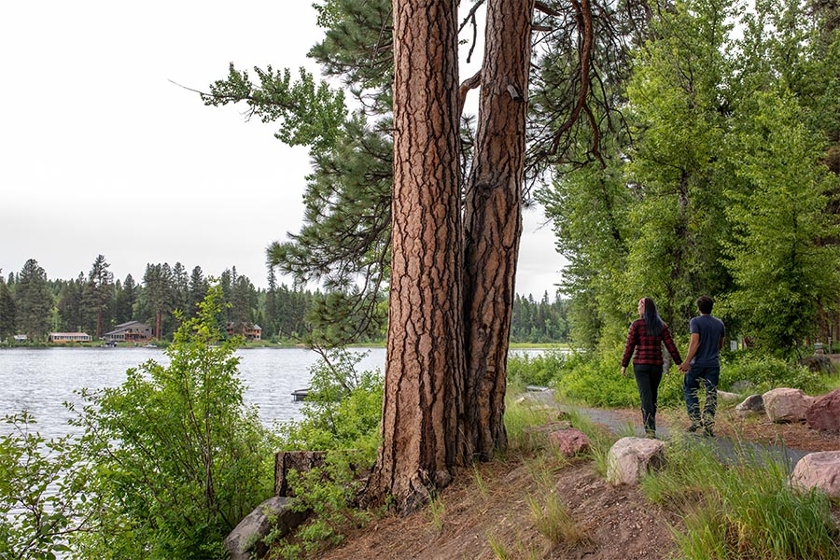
(423, 410)
(493, 217)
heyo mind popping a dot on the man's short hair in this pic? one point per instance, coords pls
(704, 304)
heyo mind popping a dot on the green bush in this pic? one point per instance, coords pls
(342, 410)
(525, 369)
(597, 381)
(40, 483)
(177, 458)
(769, 372)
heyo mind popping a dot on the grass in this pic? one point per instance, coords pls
(741, 508)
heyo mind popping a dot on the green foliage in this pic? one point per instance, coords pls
(784, 271)
(341, 415)
(536, 322)
(596, 381)
(328, 493)
(769, 372)
(310, 114)
(41, 485)
(177, 458)
(743, 508)
(534, 369)
(342, 410)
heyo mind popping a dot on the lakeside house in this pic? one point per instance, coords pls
(132, 331)
(65, 337)
(249, 331)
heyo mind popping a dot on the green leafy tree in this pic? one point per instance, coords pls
(785, 270)
(33, 301)
(178, 458)
(41, 483)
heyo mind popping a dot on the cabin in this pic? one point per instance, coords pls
(132, 331)
(249, 331)
(66, 337)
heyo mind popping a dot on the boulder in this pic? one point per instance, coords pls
(753, 403)
(824, 414)
(818, 470)
(570, 442)
(725, 396)
(631, 457)
(786, 405)
(273, 514)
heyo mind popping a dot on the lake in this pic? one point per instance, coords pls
(41, 379)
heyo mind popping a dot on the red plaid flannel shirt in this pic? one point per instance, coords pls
(648, 348)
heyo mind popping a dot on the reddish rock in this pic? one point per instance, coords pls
(786, 405)
(818, 470)
(570, 442)
(824, 414)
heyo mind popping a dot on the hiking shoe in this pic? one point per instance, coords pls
(708, 432)
(693, 428)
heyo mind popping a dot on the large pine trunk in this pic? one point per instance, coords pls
(493, 217)
(423, 407)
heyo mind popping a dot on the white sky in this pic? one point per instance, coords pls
(101, 154)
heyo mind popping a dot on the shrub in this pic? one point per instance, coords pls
(342, 410)
(541, 369)
(177, 458)
(40, 483)
(768, 372)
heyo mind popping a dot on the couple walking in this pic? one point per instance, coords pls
(702, 364)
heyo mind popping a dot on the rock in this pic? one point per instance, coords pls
(818, 470)
(724, 396)
(630, 457)
(247, 537)
(753, 403)
(570, 442)
(824, 414)
(786, 405)
(536, 437)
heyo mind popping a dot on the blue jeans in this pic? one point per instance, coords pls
(709, 376)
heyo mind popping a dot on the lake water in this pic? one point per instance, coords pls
(41, 379)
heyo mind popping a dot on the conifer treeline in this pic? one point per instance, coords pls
(34, 305)
(95, 303)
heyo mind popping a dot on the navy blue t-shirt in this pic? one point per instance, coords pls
(711, 330)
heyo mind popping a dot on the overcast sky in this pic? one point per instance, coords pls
(100, 153)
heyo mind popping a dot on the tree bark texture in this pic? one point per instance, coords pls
(493, 218)
(423, 408)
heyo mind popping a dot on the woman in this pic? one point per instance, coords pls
(647, 333)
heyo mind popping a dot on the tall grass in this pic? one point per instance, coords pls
(742, 507)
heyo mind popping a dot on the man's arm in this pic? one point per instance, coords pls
(692, 350)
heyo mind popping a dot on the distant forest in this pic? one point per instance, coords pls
(34, 305)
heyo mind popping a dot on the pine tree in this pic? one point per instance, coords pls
(33, 301)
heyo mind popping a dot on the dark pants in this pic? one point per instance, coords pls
(647, 380)
(709, 376)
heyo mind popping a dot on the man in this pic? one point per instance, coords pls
(703, 363)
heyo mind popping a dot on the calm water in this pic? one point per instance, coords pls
(41, 379)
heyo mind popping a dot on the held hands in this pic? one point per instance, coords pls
(684, 367)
